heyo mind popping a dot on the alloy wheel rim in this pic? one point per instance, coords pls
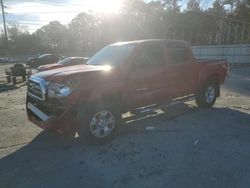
(210, 94)
(102, 123)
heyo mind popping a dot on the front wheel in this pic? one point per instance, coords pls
(99, 124)
(8, 79)
(23, 78)
(207, 96)
(14, 80)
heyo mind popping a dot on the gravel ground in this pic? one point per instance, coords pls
(181, 146)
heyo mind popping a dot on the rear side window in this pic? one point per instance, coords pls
(148, 57)
(55, 58)
(49, 57)
(78, 61)
(178, 54)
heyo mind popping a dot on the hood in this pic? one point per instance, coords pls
(69, 71)
(49, 66)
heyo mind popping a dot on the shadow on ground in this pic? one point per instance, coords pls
(200, 148)
(7, 86)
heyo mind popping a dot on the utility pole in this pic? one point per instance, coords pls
(174, 6)
(4, 23)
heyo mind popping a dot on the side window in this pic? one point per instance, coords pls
(54, 58)
(48, 57)
(78, 61)
(178, 54)
(149, 57)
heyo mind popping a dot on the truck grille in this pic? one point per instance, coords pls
(37, 88)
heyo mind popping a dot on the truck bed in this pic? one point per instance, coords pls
(218, 66)
(210, 60)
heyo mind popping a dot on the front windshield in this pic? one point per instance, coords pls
(114, 55)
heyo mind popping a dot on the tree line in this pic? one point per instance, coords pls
(137, 20)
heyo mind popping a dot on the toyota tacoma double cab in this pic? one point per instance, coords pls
(89, 99)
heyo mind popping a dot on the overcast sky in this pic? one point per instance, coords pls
(36, 13)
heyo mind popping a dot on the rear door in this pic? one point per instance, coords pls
(147, 78)
(181, 70)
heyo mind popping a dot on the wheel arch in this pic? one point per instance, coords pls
(214, 78)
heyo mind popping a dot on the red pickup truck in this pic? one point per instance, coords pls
(89, 99)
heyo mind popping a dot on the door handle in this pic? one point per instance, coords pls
(172, 76)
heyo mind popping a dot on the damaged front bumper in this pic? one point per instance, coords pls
(49, 116)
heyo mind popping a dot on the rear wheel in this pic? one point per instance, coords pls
(8, 79)
(99, 124)
(207, 96)
(14, 80)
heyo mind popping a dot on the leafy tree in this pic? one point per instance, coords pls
(232, 3)
(53, 37)
(134, 7)
(172, 5)
(242, 11)
(217, 9)
(138, 19)
(193, 6)
(82, 31)
(18, 37)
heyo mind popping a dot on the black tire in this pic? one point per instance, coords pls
(14, 80)
(85, 127)
(207, 95)
(8, 79)
(23, 78)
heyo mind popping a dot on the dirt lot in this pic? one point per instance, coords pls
(188, 147)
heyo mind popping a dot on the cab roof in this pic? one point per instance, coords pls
(168, 42)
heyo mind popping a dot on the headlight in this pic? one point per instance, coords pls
(59, 90)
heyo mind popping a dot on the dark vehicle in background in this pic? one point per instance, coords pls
(17, 70)
(70, 61)
(31, 60)
(130, 76)
(4, 60)
(43, 60)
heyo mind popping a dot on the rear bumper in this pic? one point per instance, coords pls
(63, 123)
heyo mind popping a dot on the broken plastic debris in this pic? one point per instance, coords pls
(196, 142)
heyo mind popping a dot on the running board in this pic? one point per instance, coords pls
(151, 108)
